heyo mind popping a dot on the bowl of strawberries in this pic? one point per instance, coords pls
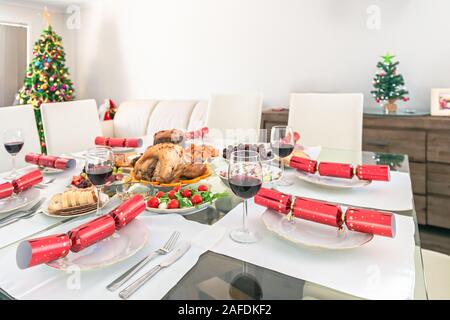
(183, 200)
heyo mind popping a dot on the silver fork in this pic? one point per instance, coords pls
(165, 249)
(45, 184)
(22, 214)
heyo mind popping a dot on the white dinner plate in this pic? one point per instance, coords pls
(103, 197)
(332, 182)
(19, 201)
(120, 246)
(313, 234)
(45, 170)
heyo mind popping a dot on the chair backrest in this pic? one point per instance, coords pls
(170, 114)
(131, 119)
(198, 116)
(20, 117)
(236, 112)
(328, 120)
(70, 126)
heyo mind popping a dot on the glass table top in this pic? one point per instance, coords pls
(220, 277)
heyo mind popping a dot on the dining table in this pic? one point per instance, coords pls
(215, 274)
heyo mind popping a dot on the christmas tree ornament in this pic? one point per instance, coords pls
(389, 85)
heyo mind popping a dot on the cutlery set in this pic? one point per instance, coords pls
(137, 284)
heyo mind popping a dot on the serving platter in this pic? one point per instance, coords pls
(78, 213)
(120, 246)
(182, 211)
(312, 234)
(332, 182)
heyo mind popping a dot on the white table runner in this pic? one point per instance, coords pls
(42, 282)
(395, 195)
(382, 269)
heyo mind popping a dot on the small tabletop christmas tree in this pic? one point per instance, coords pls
(47, 77)
(388, 84)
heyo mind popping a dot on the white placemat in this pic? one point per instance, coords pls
(26, 227)
(395, 195)
(382, 269)
(42, 282)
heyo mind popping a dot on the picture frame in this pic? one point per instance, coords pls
(440, 102)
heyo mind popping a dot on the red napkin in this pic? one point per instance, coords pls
(127, 211)
(373, 172)
(370, 221)
(91, 232)
(119, 142)
(273, 200)
(6, 190)
(340, 170)
(27, 181)
(42, 250)
(50, 161)
(303, 164)
(321, 212)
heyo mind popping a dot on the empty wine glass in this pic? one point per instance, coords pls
(13, 142)
(245, 179)
(282, 143)
(99, 167)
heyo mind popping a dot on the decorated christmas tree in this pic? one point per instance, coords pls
(47, 77)
(389, 85)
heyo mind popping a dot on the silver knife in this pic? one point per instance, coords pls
(20, 214)
(132, 288)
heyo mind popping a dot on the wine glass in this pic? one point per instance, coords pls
(282, 143)
(245, 179)
(13, 142)
(99, 167)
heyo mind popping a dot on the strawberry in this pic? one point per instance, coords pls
(173, 204)
(186, 193)
(171, 194)
(202, 188)
(153, 202)
(196, 199)
(159, 194)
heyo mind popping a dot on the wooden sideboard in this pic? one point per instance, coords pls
(425, 139)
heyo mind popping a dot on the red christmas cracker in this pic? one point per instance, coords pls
(91, 232)
(27, 181)
(373, 172)
(375, 222)
(273, 200)
(370, 221)
(339, 170)
(119, 142)
(42, 250)
(127, 211)
(6, 190)
(50, 161)
(320, 212)
(303, 164)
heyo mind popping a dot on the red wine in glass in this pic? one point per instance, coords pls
(282, 149)
(245, 187)
(99, 175)
(13, 148)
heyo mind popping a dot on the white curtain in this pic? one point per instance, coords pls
(13, 61)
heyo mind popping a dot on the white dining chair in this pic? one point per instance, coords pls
(70, 126)
(328, 120)
(436, 268)
(18, 117)
(236, 116)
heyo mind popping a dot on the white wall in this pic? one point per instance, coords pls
(31, 16)
(188, 49)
